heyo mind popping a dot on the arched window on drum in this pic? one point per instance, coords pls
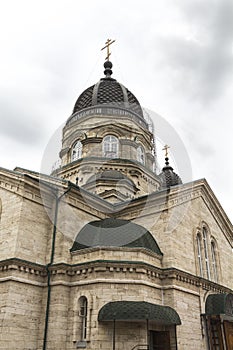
(110, 146)
(76, 152)
(141, 154)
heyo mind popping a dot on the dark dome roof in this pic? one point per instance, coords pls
(108, 92)
(115, 233)
(168, 177)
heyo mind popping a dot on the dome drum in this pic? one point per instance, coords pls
(128, 145)
(110, 110)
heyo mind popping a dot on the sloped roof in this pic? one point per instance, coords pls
(116, 233)
(217, 304)
(138, 310)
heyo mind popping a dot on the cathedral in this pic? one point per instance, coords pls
(107, 252)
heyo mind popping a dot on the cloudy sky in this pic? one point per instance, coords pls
(176, 56)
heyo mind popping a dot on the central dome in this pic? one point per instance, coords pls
(108, 92)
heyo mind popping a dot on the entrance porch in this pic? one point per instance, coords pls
(139, 325)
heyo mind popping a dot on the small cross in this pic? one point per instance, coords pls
(107, 44)
(166, 150)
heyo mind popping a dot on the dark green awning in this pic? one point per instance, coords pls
(217, 304)
(138, 310)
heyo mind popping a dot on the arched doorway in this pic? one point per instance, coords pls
(219, 321)
(160, 323)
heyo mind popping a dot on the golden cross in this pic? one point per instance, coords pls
(166, 150)
(107, 44)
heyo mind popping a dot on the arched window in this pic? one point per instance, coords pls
(83, 316)
(141, 154)
(76, 152)
(110, 146)
(204, 231)
(199, 254)
(214, 261)
(206, 254)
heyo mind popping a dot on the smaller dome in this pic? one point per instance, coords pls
(113, 232)
(168, 177)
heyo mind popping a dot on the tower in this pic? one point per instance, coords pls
(107, 145)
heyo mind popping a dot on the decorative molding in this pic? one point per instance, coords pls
(120, 113)
(22, 280)
(79, 273)
(128, 142)
(64, 151)
(92, 140)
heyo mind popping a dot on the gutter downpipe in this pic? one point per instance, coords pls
(114, 335)
(58, 198)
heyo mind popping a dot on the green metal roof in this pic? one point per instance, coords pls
(138, 310)
(217, 304)
(113, 232)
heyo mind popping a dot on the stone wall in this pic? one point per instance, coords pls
(20, 315)
(103, 275)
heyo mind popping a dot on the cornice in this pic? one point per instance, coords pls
(11, 181)
(105, 112)
(22, 271)
(217, 211)
(29, 184)
(112, 271)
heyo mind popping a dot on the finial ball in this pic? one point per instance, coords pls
(107, 64)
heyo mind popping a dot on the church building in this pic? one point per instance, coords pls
(107, 252)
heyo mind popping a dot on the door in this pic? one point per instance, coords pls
(160, 340)
(228, 327)
(215, 333)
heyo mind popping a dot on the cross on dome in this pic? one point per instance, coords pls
(107, 44)
(166, 147)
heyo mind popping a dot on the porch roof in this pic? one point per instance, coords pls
(217, 304)
(138, 310)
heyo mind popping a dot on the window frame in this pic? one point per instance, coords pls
(206, 253)
(199, 254)
(77, 149)
(141, 154)
(83, 312)
(214, 260)
(110, 146)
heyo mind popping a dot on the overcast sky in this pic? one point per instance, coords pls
(176, 56)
